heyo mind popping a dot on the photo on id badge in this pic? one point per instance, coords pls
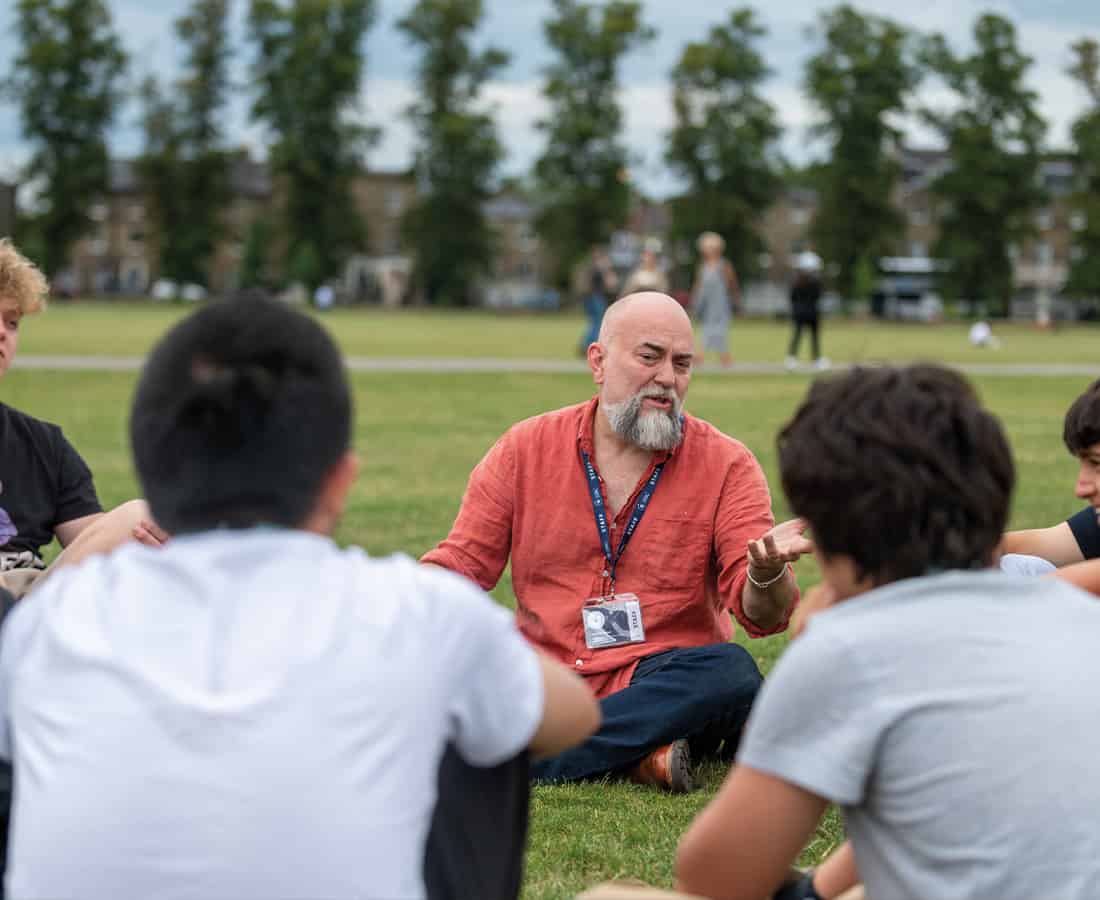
(612, 621)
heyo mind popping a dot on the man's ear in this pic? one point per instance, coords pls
(333, 495)
(597, 359)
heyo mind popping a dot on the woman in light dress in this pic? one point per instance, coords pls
(714, 297)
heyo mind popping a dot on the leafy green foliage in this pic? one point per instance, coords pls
(991, 190)
(67, 79)
(458, 150)
(723, 143)
(183, 165)
(582, 177)
(861, 76)
(1084, 275)
(308, 67)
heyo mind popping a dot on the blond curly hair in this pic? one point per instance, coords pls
(21, 280)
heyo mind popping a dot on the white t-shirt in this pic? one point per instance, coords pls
(953, 718)
(253, 714)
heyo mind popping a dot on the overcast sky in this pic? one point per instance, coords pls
(1046, 30)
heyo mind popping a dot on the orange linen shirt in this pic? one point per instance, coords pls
(528, 499)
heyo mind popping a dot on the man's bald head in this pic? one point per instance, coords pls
(644, 309)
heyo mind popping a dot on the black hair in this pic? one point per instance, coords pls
(899, 469)
(1081, 428)
(242, 410)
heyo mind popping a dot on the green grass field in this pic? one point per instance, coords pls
(420, 434)
(129, 328)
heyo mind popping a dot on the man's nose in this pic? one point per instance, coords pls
(666, 373)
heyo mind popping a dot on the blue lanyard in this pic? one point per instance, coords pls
(599, 508)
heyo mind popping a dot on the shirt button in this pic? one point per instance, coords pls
(580, 662)
(606, 573)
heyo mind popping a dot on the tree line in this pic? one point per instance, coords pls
(306, 82)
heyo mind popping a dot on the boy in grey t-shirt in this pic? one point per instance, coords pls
(946, 707)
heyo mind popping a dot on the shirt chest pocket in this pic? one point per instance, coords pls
(677, 555)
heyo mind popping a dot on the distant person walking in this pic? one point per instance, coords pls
(805, 308)
(715, 294)
(601, 282)
(649, 275)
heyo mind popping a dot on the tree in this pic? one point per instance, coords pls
(160, 170)
(1084, 274)
(67, 80)
(859, 79)
(308, 67)
(254, 259)
(723, 143)
(582, 177)
(458, 150)
(991, 189)
(184, 166)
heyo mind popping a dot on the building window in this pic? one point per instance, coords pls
(1078, 221)
(98, 212)
(1044, 220)
(918, 248)
(1044, 253)
(799, 215)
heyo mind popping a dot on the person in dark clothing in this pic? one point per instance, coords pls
(46, 488)
(805, 300)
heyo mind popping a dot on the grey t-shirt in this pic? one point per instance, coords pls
(954, 718)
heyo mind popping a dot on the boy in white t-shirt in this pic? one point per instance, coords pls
(945, 706)
(251, 711)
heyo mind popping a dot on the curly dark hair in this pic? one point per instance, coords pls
(900, 469)
(1082, 424)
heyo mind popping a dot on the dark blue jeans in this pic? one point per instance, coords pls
(701, 693)
(594, 308)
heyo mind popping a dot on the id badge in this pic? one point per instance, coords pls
(612, 621)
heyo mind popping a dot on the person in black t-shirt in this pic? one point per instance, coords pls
(1077, 538)
(46, 489)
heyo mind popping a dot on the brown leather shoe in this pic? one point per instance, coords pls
(668, 767)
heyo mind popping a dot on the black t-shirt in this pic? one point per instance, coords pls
(1086, 528)
(43, 482)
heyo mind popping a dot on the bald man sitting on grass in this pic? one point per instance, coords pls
(638, 534)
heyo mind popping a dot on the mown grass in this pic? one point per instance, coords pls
(420, 434)
(129, 328)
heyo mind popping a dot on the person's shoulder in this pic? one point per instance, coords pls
(548, 425)
(25, 420)
(714, 442)
(412, 587)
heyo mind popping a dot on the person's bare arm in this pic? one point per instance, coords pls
(103, 532)
(570, 713)
(1055, 544)
(67, 532)
(743, 844)
(768, 559)
(1086, 575)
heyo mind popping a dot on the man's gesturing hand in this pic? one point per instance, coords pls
(780, 545)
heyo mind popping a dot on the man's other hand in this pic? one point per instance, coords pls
(780, 545)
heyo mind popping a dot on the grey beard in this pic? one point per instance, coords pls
(652, 430)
